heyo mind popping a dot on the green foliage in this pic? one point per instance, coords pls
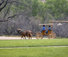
(16, 8)
(56, 7)
(48, 9)
(35, 8)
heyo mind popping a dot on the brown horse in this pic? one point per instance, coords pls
(27, 33)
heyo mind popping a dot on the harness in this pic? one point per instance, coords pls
(20, 32)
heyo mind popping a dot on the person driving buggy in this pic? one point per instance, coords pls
(43, 28)
(48, 29)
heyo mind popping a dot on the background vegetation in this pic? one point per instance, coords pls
(27, 14)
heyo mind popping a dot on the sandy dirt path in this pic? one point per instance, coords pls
(13, 38)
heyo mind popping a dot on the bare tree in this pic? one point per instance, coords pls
(3, 4)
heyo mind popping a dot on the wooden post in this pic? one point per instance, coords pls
(59, 21)
(51, 25)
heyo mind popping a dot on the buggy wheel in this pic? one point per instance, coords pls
(52, 35)
(39, 35)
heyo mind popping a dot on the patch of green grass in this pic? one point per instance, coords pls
(36, 49)
(33, 43)
(35, 52)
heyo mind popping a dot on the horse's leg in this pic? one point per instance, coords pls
(21, 36)
(29, 37)
(25, 37)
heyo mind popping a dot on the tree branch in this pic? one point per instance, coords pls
(10, 17)
(7, 11)
(4, 5)
(1, 2)
(14, 2)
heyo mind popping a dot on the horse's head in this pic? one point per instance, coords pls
(19, 31)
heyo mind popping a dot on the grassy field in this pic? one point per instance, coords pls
(34, 43)
(35, 52)
(34, 48)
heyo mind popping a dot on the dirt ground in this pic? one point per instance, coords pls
(11, 38)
